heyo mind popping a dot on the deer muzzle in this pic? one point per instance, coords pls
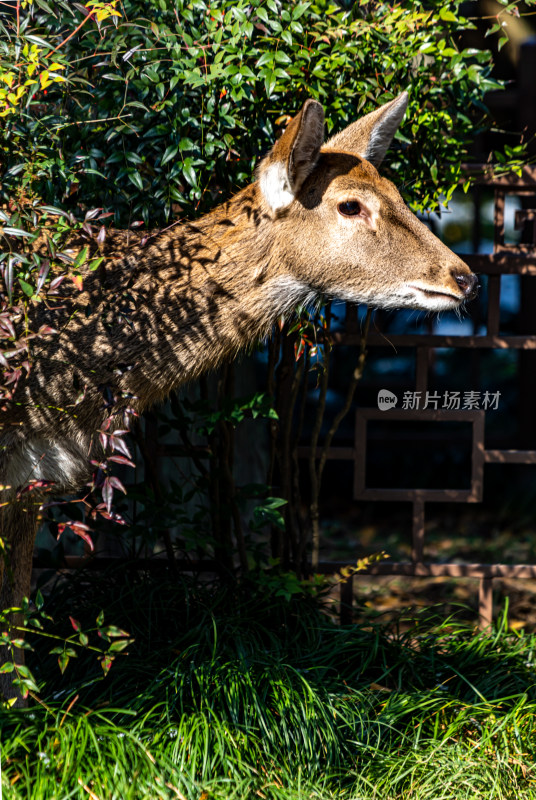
(468, 283)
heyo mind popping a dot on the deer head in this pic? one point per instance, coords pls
(344, 231)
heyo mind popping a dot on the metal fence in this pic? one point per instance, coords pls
(506, 259)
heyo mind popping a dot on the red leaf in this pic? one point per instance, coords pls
(7, 325)
(13, 376)
(121, 460)
(41, 484)
(81, 530)
(116, 483)
(113, 516)
(107, 494)
(119, 444)
(76, 625)
(106, 663)
(56, 282)
(43, 272)
(46, 330)
(100, 464)
(78, 282)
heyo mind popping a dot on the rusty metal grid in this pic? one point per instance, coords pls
(506, 259)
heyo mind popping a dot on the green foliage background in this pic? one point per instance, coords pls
(168, 108)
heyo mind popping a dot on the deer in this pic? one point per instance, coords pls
(318, 222)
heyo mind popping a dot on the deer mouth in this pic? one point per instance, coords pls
(443, 299)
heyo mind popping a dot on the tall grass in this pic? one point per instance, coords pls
(229, 693)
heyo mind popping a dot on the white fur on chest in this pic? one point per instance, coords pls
(61, 461)
(286, 293)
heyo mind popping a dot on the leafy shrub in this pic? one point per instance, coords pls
(172, 103)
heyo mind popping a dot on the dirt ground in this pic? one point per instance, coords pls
(452, 536)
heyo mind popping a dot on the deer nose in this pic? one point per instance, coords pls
(468, 283)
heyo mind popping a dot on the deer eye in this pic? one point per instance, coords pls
(350, 208)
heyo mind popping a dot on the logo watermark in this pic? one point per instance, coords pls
(386, 399)
(446, 401)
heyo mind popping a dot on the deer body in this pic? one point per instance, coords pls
(318, 222)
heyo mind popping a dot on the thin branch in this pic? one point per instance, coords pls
(274, 349)
(356, 377)
(91, 121)
(313, 475)
(89, 16)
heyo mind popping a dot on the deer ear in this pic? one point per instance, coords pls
(293, 156)
(371, 135)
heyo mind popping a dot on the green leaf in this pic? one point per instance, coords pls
(170, 153)
(266, 58)
(299, 10)
(137, 104)
(282, 57)
(135, 178)
(113, 630)
(287, 37)
(26, 288)
(270, 82)
(81, 258)
(11, 231)
(95, 263)
(261, 13)
(117, 647)
(446, 15)
(63, 661)
(189, 172)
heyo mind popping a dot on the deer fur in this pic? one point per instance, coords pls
(197, 294)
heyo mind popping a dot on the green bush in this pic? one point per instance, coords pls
(174, 102)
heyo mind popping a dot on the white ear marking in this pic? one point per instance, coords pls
(275, 186)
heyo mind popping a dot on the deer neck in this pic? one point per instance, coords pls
(211, 289)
